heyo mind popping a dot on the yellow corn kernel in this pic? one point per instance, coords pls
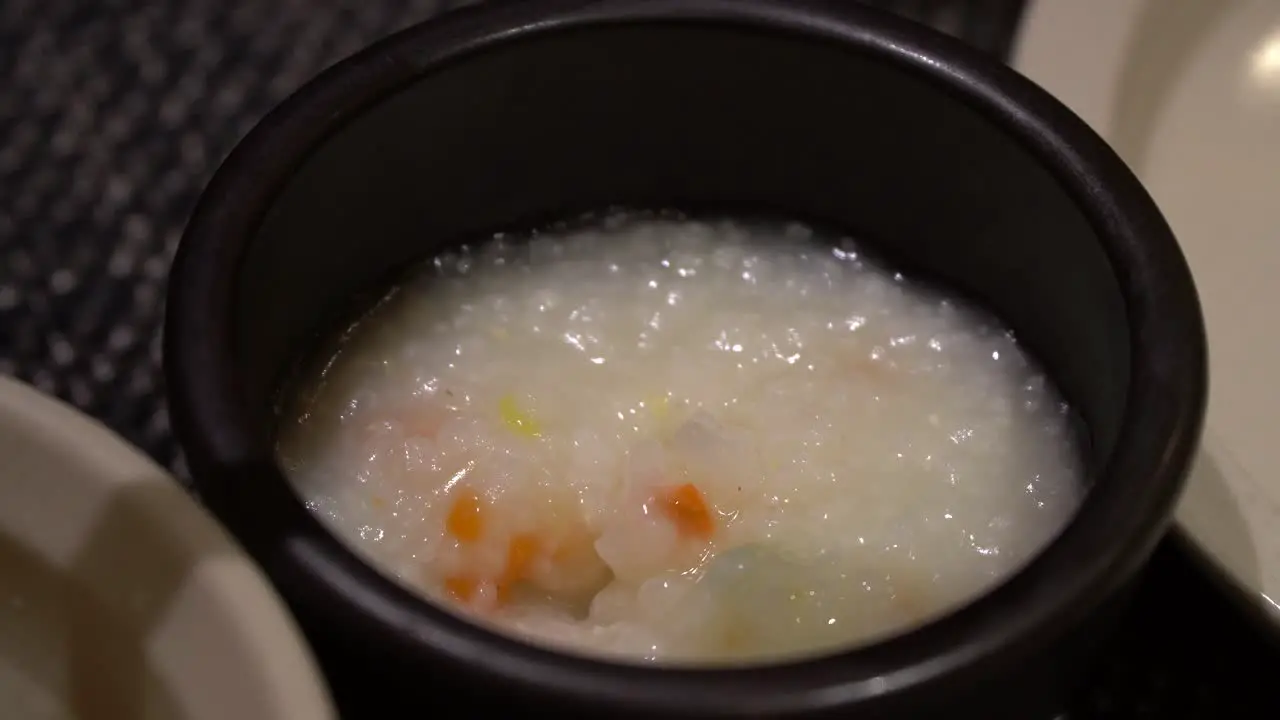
(659, 407)
(516, 419)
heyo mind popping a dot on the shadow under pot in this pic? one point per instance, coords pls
(516, 115)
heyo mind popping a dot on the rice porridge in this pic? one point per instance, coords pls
(683, 441)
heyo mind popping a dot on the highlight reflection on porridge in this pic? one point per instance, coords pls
(684, 441)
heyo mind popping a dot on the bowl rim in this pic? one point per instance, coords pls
(1112, 534)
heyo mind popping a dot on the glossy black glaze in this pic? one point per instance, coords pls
(518, 113)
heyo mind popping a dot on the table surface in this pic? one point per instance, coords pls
(113, 115)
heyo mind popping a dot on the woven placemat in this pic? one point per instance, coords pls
(113, 116)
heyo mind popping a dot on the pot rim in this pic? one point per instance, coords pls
(1112, 534)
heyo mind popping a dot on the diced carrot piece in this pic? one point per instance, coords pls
(461, 588)
(466, 518)
(685, 507)
(521, 553)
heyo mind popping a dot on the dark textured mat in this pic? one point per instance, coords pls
(113, 115)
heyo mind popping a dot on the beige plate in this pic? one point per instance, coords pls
(119, 597)
(1188, 92)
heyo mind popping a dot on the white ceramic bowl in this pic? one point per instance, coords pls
(1188, 93)
(119, 597)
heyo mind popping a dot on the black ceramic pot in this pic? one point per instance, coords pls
(523, 111)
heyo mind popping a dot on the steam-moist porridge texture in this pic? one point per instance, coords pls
(684, 441)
